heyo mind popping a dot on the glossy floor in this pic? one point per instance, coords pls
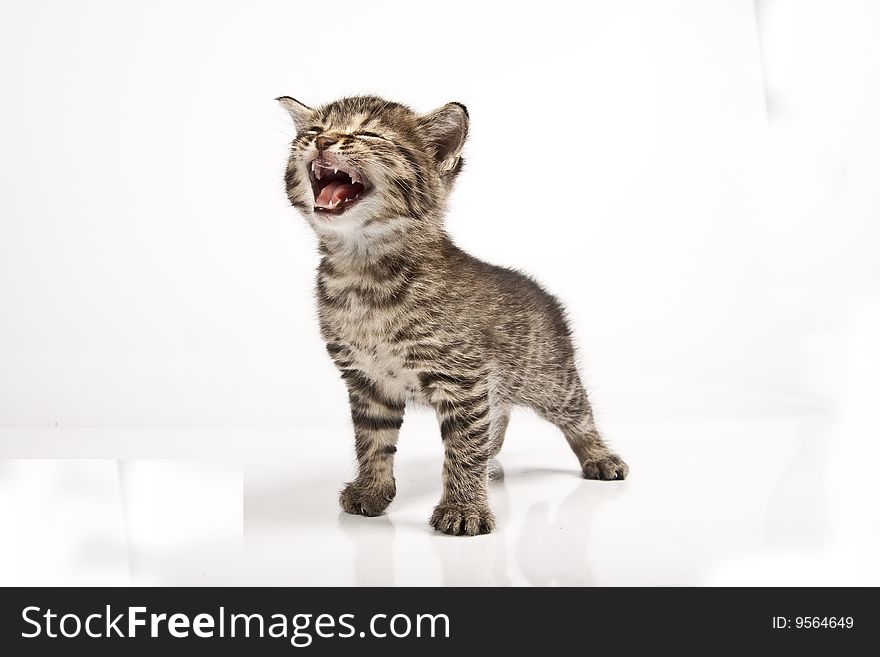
(762, 500)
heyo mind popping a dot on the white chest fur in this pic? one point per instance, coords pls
(366, 335)
(384, 364)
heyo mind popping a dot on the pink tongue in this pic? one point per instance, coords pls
(337, 192)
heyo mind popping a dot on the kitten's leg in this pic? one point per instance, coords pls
(377, 420)
(462, 404)
(570, 410)
(497, 430)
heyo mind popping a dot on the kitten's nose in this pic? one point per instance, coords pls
(324, 142)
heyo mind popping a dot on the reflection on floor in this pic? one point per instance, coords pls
(716, 501)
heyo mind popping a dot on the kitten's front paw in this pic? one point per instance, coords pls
(367, 499)
(463, 519)
(608, 467)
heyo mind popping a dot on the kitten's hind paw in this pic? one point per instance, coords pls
(463, 519)
(606, 468)
(366, 499)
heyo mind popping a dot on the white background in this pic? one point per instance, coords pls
(697, 181)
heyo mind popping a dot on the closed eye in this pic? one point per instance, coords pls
(365, 133)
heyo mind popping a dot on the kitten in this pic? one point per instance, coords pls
(408, 316)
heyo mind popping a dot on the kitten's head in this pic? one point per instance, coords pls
(359, 163)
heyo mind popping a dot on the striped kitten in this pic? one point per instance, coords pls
(410, 317)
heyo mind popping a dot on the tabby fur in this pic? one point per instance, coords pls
(408, 317)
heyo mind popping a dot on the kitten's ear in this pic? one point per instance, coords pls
(446, 130)
(302, 114)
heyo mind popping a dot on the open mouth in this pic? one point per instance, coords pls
(336, 187)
